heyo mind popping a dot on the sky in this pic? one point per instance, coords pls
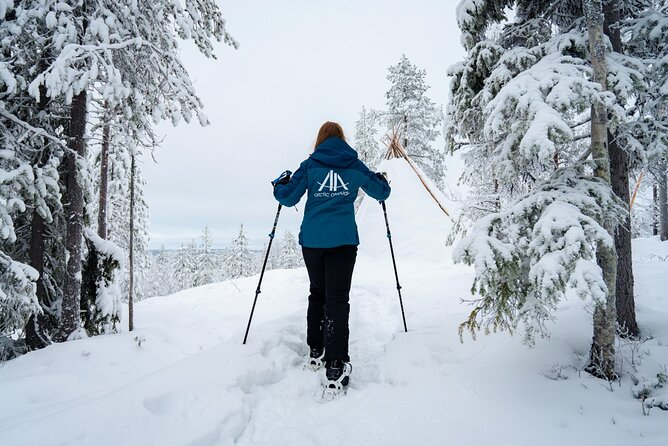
(300, 63)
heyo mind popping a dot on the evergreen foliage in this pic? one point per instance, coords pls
(100, 293)
(520, 112)
(56, 61)
(160, 281)
(206, 261)
(17, 302)
(529, 255)
(289, 254)
(415, 117)
(238, 258)
(185, 267)
(366, 143)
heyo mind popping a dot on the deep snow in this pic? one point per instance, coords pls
(184, 378)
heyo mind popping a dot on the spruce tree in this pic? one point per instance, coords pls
(55, 62)
(185, 267)
(206, 261)
(521, 112)
(238, 258)
(289, 255)
(648, 132)
(366, 143)
(415, 117)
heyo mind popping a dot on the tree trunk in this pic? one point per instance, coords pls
(619, 177)
(663, 202)
(36, 336)
(74, 210)
(132, 239)
(602, 354)
(626, 314)
(104, 181)
(38, 324)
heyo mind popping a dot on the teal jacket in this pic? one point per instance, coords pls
(332, 176)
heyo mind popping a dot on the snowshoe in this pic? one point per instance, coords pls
(337, 376)
(315, 361)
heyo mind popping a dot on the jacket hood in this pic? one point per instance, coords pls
(334, 152)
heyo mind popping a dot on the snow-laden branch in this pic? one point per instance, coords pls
(527, 256)
(37, 131)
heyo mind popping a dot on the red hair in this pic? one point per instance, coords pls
(327, 130)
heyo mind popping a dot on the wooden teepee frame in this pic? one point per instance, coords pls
(395, 149)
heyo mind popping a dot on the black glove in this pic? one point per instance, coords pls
(283, 178)
(382, 176)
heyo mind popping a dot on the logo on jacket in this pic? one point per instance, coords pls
(332, 182)
(333, 186)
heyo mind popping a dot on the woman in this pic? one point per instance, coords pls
(332, 176)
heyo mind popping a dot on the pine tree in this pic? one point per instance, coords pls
(160, 275)
(31, 135)
(289, 255)
(55, 62)
(415, 117)
(368, 149)
(366, 144)
(238, 258)
(648, 133)
(17, 302)
(521, 107)
(185, 267)
(101, 293)
(206, 261)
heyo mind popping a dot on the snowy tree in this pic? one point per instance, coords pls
(521, 110)
(161, 274)
(238, 258)
(207, 267)
(101, 293)
(528, 256)
(18, 298)
(32, 149)
(119, 162)
(648, 133)
(185, 267)
(55, 60)
(415, 117)
(366, 144)
(289, 254)
(272, 260)
(17, 303)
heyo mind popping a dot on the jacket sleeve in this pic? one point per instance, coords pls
(289, 194)
(375, 187)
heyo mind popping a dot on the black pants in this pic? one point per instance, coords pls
(330, 271)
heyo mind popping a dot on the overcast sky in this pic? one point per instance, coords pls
(300, 63)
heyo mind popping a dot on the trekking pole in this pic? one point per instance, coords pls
(264, 265)
(396, 275)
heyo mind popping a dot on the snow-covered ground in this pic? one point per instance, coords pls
(183, 376)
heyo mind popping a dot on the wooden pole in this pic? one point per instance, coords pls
(635, 189)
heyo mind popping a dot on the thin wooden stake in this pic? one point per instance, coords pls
(635, 189)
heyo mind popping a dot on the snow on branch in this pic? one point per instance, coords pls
(530, 115)
(18, 300)
(529, 255)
